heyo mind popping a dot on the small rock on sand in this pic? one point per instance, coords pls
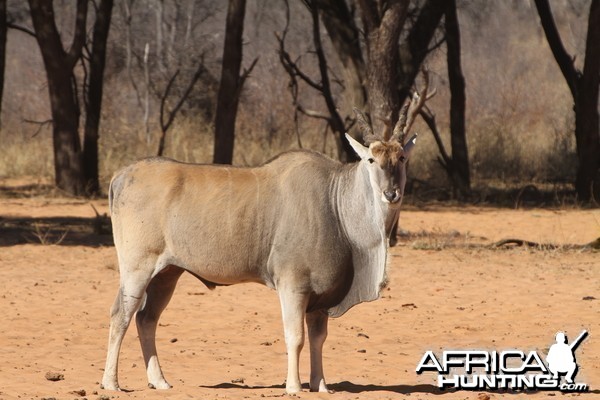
(54, 376)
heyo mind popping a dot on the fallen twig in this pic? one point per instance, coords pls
(545, 246)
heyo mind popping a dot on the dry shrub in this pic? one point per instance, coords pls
(24, 155)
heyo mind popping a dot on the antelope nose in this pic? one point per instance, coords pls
(391, 195)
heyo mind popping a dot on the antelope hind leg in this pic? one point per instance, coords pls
(127, 302)
(158, 294)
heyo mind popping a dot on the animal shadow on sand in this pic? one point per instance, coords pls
(346, 387)
(65, 231)
(350, 387)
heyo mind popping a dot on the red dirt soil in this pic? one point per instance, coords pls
(448, 290)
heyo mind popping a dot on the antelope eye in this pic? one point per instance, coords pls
(371, 161)
(402, 159)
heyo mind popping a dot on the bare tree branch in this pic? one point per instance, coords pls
(429, 118)
(24, 29)
(126, 6)
(563, 59)
(334, 120)
(164, 126)
(79, 36)
(337, 124)
(415, 48)
(163, 100)
(292, 68)
(41, 125)
(313, 114)
(245, 74)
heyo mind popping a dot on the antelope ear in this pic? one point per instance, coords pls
(361, 151)
(410, 144)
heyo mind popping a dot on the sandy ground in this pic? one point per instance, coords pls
(447, 291)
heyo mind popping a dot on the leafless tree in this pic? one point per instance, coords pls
(71, 174)
(155, 40)
(380, 73)
(165, 123)
(59, 66)
(584, 86)
(96, 57)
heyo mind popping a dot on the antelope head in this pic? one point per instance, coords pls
(386, 159)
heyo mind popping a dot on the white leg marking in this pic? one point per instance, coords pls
(293, 309)
(317, 333)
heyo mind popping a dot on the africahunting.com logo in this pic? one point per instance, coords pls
(509, 369)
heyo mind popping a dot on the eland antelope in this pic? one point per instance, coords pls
(313, 229)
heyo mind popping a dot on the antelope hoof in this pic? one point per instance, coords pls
(293, 389)
(321, 388)
(111, 386)
(160, 385)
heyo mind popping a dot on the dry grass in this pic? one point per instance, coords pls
(23, 155)
(438, 240)
(46, 237)
(498, 159)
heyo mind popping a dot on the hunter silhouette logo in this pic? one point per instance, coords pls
(508, 369)
(561, 356)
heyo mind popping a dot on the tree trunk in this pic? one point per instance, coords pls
(94, 96)
(63, 96)
(229, 87)
(459, 168)
(68, 167)
(383, 33)
(3, 31)
(587, 123)
(584, 89)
